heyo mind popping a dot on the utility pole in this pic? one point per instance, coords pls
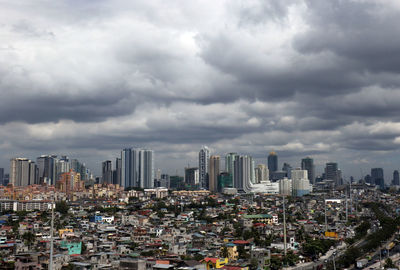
(351, 200)
(326, 219)
(347, 211)
(284, 226)
(51, 234)
(334, 264)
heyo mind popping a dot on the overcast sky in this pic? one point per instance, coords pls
(313, 77)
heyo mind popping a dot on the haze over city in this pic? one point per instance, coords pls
(303, 78)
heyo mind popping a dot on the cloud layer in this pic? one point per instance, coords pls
(309, 77)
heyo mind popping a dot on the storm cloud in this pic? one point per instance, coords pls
(308, 77)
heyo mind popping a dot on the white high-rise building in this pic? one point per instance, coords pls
(301, 187)
(285, 186)
(204, 159)
(262, 173)
(299, 174)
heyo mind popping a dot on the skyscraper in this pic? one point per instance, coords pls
(272, 163)
(333, 173)
(146, 169)
(377, 177)
(299, 174)
(23, 172)
(214, 172)
(308, 164)
(225, 180)
(62, 166)
(165, 180)
(204, 158)
(192, 177)
(1, 176)
(288, 169)
(396, 180)
(117, 172)
(229, 163)
(129, 161)
(107, 172)
(47, 169)
(244, 173)
(261, 173)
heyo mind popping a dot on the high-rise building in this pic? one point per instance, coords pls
(229, 163)
(308, 164)
(225, 180)
(117, 172)
(81, 169)
(158, 174)
(204, 158)
(214, 172)
(146, 169)
(6, 179)
(70, 182)
(301, 187)
(396, 180)
(62, 166)
(47, 169)
(2, 176)
(377, 177)
(299, 174)
(176, 182)
(129, 165)
(332, 172)
(107, 172)
(23, 172)
(368, 179)
(261, 173)
(192, 177)
(285, 186)
(165, 181)
(288, 169)
(244, 173)
(272, 163)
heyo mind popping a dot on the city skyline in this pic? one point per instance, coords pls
(300, 78)
(97, 170)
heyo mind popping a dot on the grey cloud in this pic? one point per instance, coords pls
(191, 75)
(359, 30)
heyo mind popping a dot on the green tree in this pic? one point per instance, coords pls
(29, 238)
(243, 254)
(276, 263)
(290, 259)
(62, 207)
(253, 264)
(389, 264)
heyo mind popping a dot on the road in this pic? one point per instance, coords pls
(328, 256)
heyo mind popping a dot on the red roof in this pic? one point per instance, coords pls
(241, 242)
(213, 260)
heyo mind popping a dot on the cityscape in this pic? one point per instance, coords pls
(200, 135)
(227, 213)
